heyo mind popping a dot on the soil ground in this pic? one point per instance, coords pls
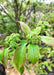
(12, 71)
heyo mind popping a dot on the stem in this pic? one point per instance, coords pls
(16, 14)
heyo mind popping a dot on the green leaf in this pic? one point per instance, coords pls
(48, 40)
(1, 55)
(5, 57)
(33, 53)
(23, 42)
(21, 69)
(49, 68)
(1, 62)
(19, 56)
(47, 33)
(37, 30)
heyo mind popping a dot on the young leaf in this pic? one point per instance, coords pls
(19, 56)
(48, 40)
(37, 30)
(25, 28)
(33, 53)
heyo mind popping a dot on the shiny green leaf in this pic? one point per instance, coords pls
(19, 56)
(21, 69)
(33, 53)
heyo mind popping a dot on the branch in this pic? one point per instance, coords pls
(16, 14)
(7, 13)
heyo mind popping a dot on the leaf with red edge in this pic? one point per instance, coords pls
(25, 28)
(19, 56)
(48, 40)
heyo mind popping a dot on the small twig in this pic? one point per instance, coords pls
(7, 13)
